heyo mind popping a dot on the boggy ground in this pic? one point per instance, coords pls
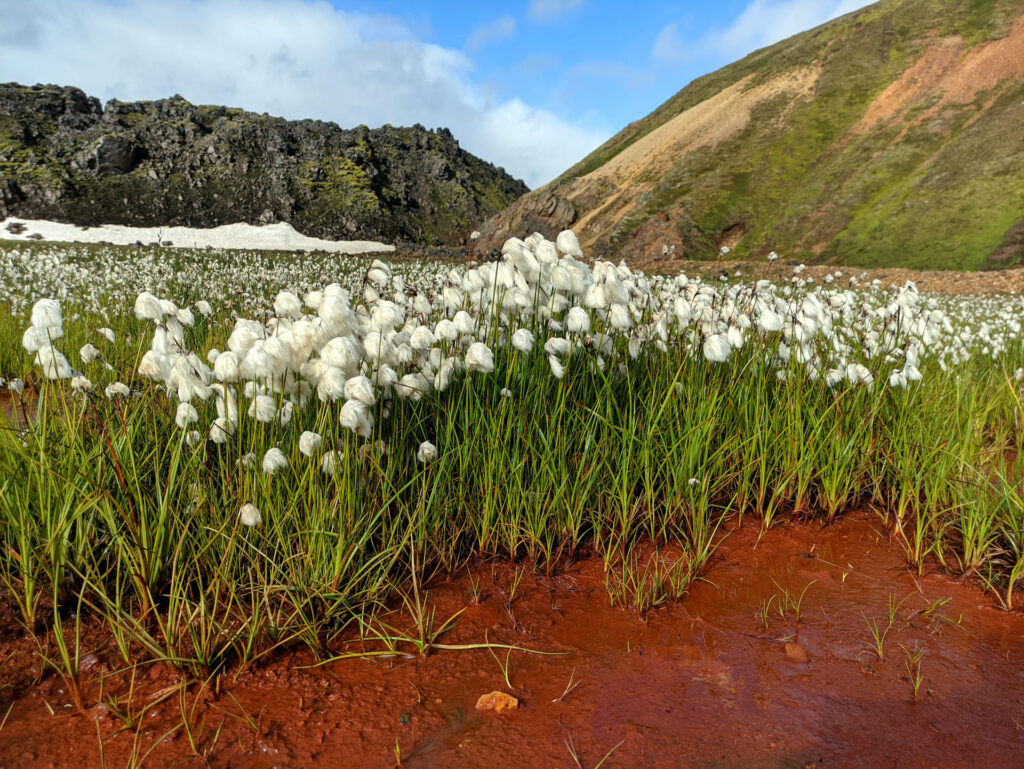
(705, 682)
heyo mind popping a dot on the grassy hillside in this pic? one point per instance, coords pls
(891, 136)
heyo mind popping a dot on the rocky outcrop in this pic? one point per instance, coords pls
(542, 212)
(65, 157)
(1011, 250)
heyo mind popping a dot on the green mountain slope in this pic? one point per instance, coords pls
(890, 136)
(169, 162)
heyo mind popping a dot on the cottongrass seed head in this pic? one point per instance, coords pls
(274, 460)
(426, 453)
(249, 515)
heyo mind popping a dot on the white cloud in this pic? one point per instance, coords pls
(668, 45)
(550, 10)
(764, 22)
(498, 30)
(528, 133)
(761, 23)
(294, 58)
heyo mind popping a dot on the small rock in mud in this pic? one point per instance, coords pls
(796, 652)
(496, 702)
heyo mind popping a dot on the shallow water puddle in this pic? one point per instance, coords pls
(727, 678)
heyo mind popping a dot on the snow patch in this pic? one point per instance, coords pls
(277, 237)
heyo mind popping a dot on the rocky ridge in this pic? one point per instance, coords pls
(65, 157)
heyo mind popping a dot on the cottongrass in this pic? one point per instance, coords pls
(372, 428)
(249, 515)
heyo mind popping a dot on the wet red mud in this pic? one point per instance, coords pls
(15, 407)
(700, 683)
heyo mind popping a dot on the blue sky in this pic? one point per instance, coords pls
(532, 85)
(603, 63)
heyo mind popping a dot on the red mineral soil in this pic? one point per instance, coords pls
(703, 682)
(976, 282)
(14, 407)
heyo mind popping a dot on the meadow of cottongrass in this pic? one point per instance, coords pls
(221, 453)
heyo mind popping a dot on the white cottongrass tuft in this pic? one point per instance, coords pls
(274, 460)
(359, 388)
(116, 390)
(557, 369)
(88, 353)
(558, 345)
(309, 443)
(53, 363)
(569, 244)
(858, 373)
(185, 415)
(769, 321)
(523, 340)
(46, 315)
(426, 453)
(249, 515)
(263, 409)
(34, 339)
(288, 305)
(284, 414)
(480, 358)
(717, 348)
(577, 321)
(412, 386)
(619, 317)
(226, 366)
(148, 307)
(330, 462)
(356, 417)
(221, 430)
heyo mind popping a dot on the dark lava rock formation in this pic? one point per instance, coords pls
(65, 157)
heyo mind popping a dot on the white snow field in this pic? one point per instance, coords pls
(275, 237)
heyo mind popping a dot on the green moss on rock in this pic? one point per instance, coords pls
(170, 162)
